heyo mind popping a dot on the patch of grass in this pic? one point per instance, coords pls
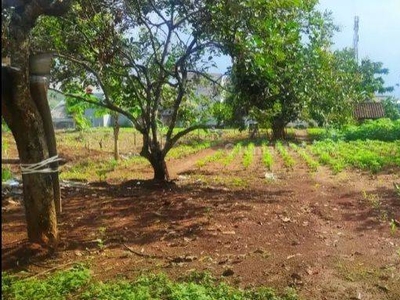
(238, 182)
(134, 160)
(353, 273)
(359, 271)
(5, 171)
(60, 285)
(80, 171)
(6, 174)
(223, 181)
(397, 188)
(91, 170)
(373, 199)
(290, 133)
(317, 134)
(375, 202)
(78, 284)
(104, 168)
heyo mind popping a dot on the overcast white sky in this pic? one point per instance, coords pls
(379, 31)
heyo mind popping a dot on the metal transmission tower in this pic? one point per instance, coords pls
(356, 37)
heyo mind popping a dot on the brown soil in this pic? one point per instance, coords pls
(326, 235)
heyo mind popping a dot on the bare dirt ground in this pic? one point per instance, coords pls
(326, 235)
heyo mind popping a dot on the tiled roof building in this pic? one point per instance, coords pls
(369, 110)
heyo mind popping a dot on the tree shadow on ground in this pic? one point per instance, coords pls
(137, 212)
(374, 208)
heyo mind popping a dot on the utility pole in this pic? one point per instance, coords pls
(356, 37)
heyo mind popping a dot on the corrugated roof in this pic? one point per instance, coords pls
(369, 110)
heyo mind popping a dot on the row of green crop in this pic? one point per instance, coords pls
(338, 155)
(288, 160)
(185, 150)
(268, 160)
(217, 156)
(310, 161)
(234, 153)
(366, 155)
(246, 154)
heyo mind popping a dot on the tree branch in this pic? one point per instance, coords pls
(182, 133)
(109, 106)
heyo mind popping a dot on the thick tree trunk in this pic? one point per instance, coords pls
(160, 169)
(38, 85)
(278, 130)
(156, 157)
(25, 122)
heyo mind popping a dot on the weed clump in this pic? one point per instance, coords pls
(77, 283)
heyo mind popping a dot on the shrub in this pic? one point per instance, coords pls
(57, 286)
(382, 130)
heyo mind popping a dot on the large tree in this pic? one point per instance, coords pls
(274, 45)
(23, 111)
(336, 87)
(372, 81)
(145, 56)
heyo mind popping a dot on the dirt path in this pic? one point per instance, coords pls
(327, 236)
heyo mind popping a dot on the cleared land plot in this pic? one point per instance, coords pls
(327, 235)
